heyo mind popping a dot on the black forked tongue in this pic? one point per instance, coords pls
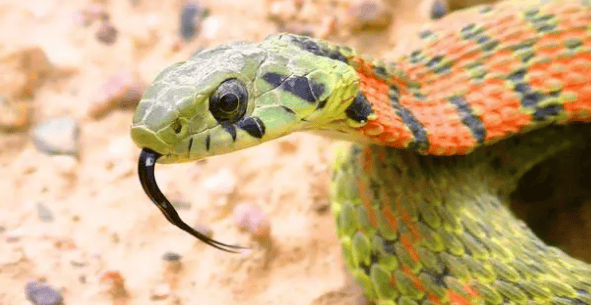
(146, 166)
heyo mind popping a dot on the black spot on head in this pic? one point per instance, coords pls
(231, 129)
(299, 86)
(207, 142)
(532, 99)
(275, 79)
(359, 109)
(253, 126)
(547, 112)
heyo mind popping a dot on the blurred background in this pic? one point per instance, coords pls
(75, 225)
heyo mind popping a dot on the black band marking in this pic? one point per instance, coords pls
(207, 142)
(472, 121)
(231, 129)
(421, 141)
(360, 109)
(253, 126)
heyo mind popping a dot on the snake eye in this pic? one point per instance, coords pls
(228, 103)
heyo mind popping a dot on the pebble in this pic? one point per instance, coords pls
(106, 33)
(368, 15)
(251, 218)
(123, 90)
(40, 293)
(44, 213)
(190, 20)
(172, 261)
(58, 135)
(115, 284)
(172, 267)
(439, 9)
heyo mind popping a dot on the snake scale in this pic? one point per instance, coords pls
(442, 135)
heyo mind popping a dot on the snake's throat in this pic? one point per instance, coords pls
(146, 165)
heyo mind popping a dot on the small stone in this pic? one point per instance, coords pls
(44, 213)
(172, 267)
(106, 33)
(252, 219)
(123, 90)
(42, 294)
(190, 20)
(59, 135)
(439, 9)
(222, 183)
(115, 284)
(368, 15)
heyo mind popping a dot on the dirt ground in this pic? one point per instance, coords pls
(105, 241)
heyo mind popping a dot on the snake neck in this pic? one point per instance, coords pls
(438, 229)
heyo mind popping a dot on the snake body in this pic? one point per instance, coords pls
(443, 134)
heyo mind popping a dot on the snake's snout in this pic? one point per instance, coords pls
(146, 165)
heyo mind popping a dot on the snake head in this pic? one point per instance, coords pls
(239, 95)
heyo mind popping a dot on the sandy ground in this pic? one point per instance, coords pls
(104, 231)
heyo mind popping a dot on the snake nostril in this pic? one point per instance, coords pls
(176, 125)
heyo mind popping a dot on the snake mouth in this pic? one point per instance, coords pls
(146, 165)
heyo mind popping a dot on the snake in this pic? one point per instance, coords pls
(436, 141)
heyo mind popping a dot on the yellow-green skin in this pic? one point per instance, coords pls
(415, 228)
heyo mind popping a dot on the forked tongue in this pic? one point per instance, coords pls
(146, 165)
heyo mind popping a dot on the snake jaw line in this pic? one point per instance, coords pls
(146, 166)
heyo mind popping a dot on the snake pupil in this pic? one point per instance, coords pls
(228, 102)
